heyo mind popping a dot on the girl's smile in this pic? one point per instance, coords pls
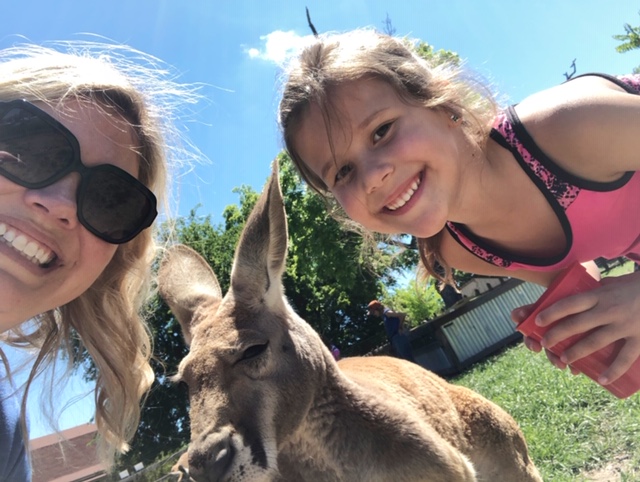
(405, 198)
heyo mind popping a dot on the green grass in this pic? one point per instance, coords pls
(572, 424)
(625, 268)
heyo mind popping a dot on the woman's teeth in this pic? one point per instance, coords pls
(30, 249)
(404, 197)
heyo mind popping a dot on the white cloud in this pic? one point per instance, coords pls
(278, 46)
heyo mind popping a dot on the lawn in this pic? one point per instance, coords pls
(576, 430)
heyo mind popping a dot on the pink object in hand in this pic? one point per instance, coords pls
(574, 280)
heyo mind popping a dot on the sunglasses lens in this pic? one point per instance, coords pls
(36, 151)
(114, 205)
(31, 150)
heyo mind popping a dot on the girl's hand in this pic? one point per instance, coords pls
(612, 311)
(520, 314)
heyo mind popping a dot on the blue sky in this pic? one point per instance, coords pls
(233, 47)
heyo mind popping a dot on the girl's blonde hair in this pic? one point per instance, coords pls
(107, 319)
(333, 59)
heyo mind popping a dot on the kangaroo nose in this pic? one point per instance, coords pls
(210, 459)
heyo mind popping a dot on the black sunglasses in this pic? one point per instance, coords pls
(36, 151)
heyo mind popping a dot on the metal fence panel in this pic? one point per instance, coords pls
(488, 323)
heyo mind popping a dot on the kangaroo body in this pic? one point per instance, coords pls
(270, 403)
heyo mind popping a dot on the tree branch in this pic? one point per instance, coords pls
(311, 26)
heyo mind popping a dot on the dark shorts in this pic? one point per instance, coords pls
(402, 347)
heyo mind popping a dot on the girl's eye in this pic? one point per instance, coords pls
(381, 132)
(342, 173)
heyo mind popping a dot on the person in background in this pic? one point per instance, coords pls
(394, 328)
(84, 156)
(335, 351)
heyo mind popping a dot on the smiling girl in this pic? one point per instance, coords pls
(408, 148)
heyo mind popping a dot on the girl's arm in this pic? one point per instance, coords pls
(589, 126)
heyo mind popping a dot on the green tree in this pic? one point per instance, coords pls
(437, 57)
(421, 302)
(630, 40)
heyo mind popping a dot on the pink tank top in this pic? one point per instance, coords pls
(598, 219)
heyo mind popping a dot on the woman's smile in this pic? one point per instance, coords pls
(47, 257)
(28, 247)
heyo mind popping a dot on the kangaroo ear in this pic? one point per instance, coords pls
(185, 282)
(260, 257)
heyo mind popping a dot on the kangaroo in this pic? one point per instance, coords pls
(269, 403)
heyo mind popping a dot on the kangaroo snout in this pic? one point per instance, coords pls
(211, 456)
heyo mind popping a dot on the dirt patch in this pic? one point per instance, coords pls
(612, 472)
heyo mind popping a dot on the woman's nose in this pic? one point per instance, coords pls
(376, 172)
(57, 200)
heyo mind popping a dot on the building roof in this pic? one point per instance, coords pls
(66, 456)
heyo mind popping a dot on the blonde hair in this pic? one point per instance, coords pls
(333, 59)
(107, 318)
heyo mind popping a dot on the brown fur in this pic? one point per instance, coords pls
(181, 468)
(269, 403)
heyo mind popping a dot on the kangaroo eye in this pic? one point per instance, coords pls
(179, 382)
(254, 351)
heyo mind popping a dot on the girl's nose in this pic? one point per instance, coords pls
(57, 200)
(375, 174)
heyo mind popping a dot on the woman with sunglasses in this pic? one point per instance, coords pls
(82, 159)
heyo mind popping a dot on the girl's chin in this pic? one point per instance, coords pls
(418, 233)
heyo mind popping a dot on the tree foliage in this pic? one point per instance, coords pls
(437, 57)
(630, 40)
(421, 302)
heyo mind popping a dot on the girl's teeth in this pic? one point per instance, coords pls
(404, 198)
